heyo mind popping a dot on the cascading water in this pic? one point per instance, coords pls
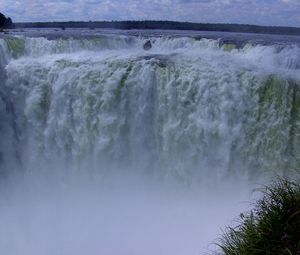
(183, 107)
(193, 112)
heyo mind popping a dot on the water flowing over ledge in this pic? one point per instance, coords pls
(109, 148)
(187, 108)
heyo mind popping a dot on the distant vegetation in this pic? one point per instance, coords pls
(272, 228)
(5, 22)
(172, 25)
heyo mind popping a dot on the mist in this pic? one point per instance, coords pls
(44, 214)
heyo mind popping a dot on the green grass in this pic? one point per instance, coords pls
(272, 227)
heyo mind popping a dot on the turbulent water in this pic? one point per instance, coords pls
(110, 149)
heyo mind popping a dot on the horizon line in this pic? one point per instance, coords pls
(175, 21)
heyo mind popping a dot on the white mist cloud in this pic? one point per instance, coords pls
(42, 216)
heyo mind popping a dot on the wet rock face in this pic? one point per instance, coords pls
(147, 45)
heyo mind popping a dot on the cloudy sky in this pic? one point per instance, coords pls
(262, 12)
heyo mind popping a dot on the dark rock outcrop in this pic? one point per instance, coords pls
(147, 45)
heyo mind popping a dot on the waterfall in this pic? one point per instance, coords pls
(186, 108)
(106, 148)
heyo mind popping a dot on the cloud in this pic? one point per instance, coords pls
(263, 12)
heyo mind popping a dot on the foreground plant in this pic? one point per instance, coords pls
(272, 227)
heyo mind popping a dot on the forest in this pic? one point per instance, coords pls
(5, 22)
(164, 25)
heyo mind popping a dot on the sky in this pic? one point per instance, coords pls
(260, 12)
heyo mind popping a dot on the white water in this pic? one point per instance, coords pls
(110, 149)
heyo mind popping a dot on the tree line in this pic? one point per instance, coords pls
(165, 25)
(153, 24)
